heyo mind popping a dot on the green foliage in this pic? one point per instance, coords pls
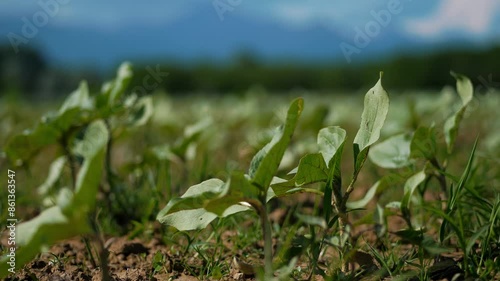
(70, 216)
(414, 178)
(372, 120)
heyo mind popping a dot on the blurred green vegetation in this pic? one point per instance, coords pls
(29, 73)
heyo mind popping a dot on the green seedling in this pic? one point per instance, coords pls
(325, 165)
(82, 128)
(214, 198)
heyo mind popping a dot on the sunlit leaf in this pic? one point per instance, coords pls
(375, 110)
(393, 152)
(78, 99)
(330, 140)
(55, 172)
(266, 162)
(410, 186)
(465, 91)
(70, 216)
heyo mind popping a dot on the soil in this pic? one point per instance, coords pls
(134, 259)
(128, 260)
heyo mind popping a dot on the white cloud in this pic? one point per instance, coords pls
(473, 17)
(303, 13)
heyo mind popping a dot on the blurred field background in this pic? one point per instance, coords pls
(233, 66)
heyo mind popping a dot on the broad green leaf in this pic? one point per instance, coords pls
(188, 219)
(55, 172)
(93, 149)
(281, 187)
(312, 168)
(24, 146)
(465, 91)
(237, 189)
(38, 234)
(188, 213)
(376, 106)
(78, 99)
(265, 163)
(70, 216)
(193, 198)
(423, 143)
(330, 139)
(393, 152)
(113, 90)
(464, 88)
(410, 186)
(331, 142)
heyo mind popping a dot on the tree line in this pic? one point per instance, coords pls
(30, 75)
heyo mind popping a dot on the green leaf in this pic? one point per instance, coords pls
(423, 143)
(113, 90)
(464, 88)
(78, 99)
(93, 149)
(194, 198)
(55, 172)
(38, 234)
(393, 152)
(237, 189)
(410, 186)
(466, 92)
(188, 213)
(70, 216)
(330, 140)
(24, 146)
(311, 169)
(265, 163)
(376, 106)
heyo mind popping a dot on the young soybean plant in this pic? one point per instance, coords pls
(213, 198)
(325, 165)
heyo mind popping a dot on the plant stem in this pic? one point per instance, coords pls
(268, 243)
(71, 160)
(340, 207)
(440, 176)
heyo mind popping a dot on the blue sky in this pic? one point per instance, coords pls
(433, 22)
(423, 18)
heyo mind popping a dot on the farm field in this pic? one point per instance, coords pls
(373, 185)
